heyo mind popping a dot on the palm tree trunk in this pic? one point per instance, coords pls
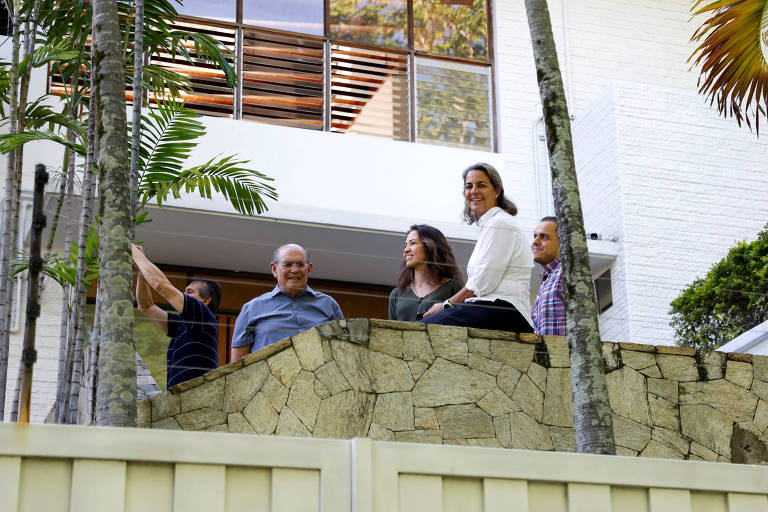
(138, 93)
(66, 343)
(7, 242)
(77, 320)
(116, 396)
(592, 418)
(92, 353)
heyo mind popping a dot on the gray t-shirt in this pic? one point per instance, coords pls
(405, 306)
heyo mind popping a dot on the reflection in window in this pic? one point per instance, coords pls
(453, 104)
(603, 291)
(222, 10)
(379, 22)
(6, 28)
(303, 16)
(458, 28)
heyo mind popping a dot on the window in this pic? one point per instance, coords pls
(377, 22)
(302, 16)
(409, 70)
(6, 27)
(603, 291)
(453, 104)
(220, 10)
(458, 28)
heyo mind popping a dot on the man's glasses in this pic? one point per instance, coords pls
(287, 265)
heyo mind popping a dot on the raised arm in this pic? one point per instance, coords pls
(155, 278)
(148, 306)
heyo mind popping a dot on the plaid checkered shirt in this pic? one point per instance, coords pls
(548, 313)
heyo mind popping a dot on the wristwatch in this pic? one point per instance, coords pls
(447, 304)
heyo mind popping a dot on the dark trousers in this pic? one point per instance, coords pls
(498, 315)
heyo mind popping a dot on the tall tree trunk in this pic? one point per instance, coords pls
(92, 353)
(86, 216)
(66, 343)
(116, 396)
(7, 242)
(138, 94)
(592, 418)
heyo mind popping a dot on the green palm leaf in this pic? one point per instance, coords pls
(160, 82)
(734, 71)
(11, 141)
(168, 135)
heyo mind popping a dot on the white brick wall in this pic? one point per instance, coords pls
(597, 161)
(686, 184)
(692, 184)
(47, 345)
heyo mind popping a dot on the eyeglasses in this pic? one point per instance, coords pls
(287, 265)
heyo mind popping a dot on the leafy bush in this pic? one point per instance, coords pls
(731, 299)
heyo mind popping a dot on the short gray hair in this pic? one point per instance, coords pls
(276, 254)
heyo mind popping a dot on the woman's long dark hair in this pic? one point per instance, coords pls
(438, 256)
(493, 176)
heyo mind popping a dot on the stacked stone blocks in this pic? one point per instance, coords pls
(400, 381)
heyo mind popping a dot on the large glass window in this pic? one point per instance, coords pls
(222, 10)
(352, 66)
(378, 22)
(458, 28)
(453, 104)
(303, 16)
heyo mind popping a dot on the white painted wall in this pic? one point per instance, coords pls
(597, 160)
(677, 184)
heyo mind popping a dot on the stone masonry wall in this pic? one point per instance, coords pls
(400, 381)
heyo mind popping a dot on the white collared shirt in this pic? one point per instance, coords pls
(501, 263)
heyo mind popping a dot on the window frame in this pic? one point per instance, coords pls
(239, 27)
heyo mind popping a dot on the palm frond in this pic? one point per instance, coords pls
(244, 188)
(168, 138)
(194, 47)
(167, 135)
(161, 82)
(734, 71)
(11, 141)
(37, 115)
(63, 270)
(61, 51)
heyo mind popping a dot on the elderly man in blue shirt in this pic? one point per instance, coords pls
(290, 308)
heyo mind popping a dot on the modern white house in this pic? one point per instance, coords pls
(366, 130)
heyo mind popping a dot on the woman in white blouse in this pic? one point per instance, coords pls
(497, 294)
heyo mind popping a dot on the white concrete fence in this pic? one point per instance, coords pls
(56, 468)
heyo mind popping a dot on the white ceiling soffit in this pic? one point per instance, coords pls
(203, 239)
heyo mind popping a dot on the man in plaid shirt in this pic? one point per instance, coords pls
(548, 313)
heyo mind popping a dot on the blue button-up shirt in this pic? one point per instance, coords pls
(276, 315)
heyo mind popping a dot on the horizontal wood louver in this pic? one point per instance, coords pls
(369, 92)
(210, 94)
(282, 79)
(453, 104)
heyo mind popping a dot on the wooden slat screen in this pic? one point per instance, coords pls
(210, 95)
(282, 79)
(369, 92)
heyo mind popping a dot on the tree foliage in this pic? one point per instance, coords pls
(734, 70)
(731, 299)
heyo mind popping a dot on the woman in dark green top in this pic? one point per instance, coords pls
(429, 274)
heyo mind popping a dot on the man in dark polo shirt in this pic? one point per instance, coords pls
(193, 348)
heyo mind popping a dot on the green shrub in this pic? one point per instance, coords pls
(731, 299)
